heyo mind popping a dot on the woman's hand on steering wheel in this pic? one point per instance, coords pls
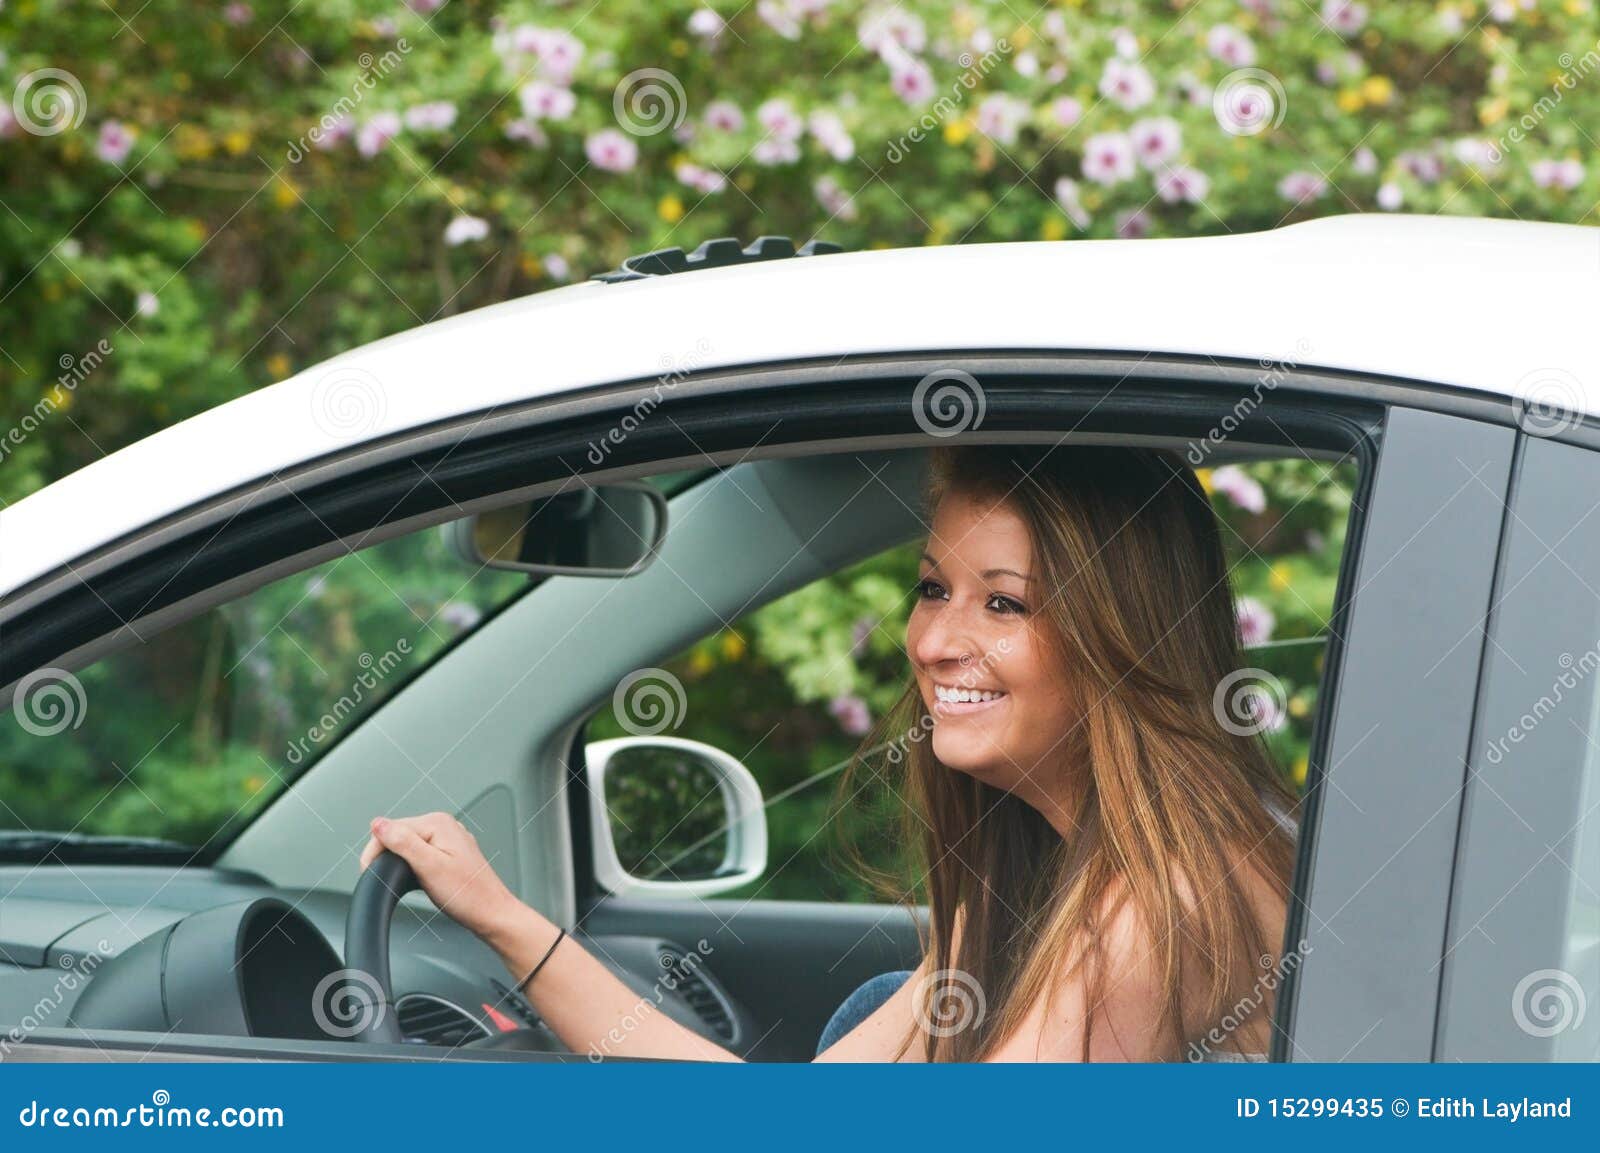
(451, 869)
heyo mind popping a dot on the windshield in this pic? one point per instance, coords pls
(186, 736)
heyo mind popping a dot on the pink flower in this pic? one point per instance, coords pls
(425, 7)
(724, 116)
(1231, 46)
(780, 120)
(1067, 197)
(1425, 166)
(830, 132)
(706, 24)
(556, 266)
(834, 200)
(114, 142)
(780, 17)
(8, 120)
(1364, 162)
(1126, 84)
(1344, 17)
(558, 53)
(1182, 183)
(1240, 488)
(1067, 111)
(332, 132)
(465, 230)
(1390, 197)
(433, 117)
(852, 714)
(238, 14)
(1255, 621)
(1155, 141)
(775, 150)
(529, 131)
(1560, 174)
(542, 101)
(611, 150)
(1302, 186)
(1108, 158)
(372, 136)
(702, 180)
(1133, 224)
(912, 82)
(892, 26)
(1001, 117)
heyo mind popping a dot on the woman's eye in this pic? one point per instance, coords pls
(1005, 604)
(929, 589)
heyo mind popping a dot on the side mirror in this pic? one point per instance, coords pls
(673, 818)
(607, 530)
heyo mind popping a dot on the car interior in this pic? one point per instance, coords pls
(205, 897)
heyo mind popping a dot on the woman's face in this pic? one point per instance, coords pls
(998, 700)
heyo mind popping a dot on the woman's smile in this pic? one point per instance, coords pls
(960, 701)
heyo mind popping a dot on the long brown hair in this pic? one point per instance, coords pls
(1169, 808)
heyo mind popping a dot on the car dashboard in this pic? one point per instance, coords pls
(223, 964)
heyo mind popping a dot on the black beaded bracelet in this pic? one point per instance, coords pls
(522, 986)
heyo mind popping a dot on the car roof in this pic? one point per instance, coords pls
(1485, 305)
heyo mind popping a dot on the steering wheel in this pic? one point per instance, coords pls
(366, 945)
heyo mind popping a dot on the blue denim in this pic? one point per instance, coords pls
(861, 1004)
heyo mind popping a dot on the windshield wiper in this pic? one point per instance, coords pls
(37, 846)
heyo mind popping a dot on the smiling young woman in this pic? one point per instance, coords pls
(1106, 863)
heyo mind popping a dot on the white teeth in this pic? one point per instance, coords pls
(965, 696)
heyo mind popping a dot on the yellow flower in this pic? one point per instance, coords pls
(237, 141)
(733, 646)
(701, 663)
(1377, 90)
(193, 142)
(530, 265)
(1576, 7)
(1203, 475)
(679, 47)
(1021, 36)
(957, 131)
(254, 785)
(1349, 100)
(278, 366)
(670, 209)
(1494, 111)
(1299, 707)
(284, 193)
(60, 397)
(1278, 576)
(1054, 228)
(1298, 774)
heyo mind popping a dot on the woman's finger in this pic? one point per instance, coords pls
(401, 838)
(370, 853)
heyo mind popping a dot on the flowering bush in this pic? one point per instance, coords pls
(227, 194)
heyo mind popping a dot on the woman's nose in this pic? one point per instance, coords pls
(942, 639)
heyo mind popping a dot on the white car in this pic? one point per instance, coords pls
(779, 404)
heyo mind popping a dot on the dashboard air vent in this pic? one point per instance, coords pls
(692, 987)
(429, 1020)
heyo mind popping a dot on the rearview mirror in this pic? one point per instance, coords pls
(608, 530)
(673, 818)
